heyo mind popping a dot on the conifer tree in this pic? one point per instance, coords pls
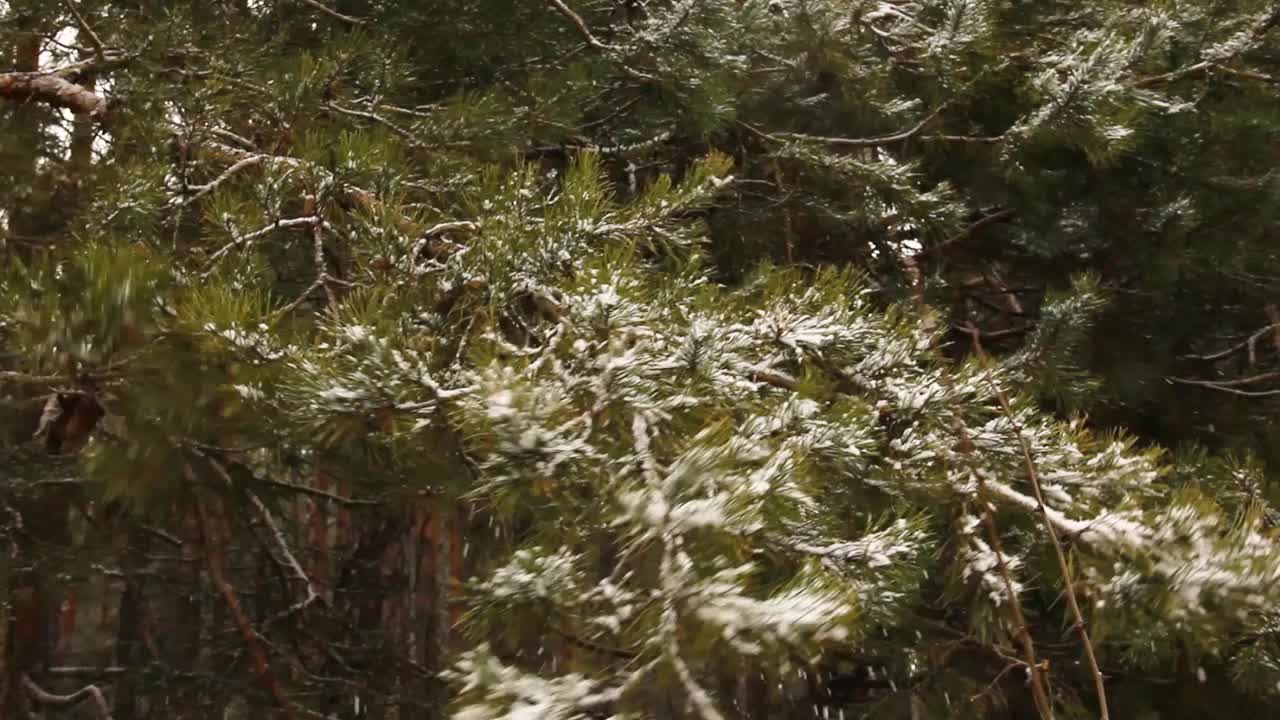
(670, 359)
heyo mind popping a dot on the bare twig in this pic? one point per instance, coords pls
(1231, 383)
(18, 378)
(297, 302)
(81, 671)
(991, 685)
(769, 376)
(965, 139)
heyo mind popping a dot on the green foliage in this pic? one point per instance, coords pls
(613, 320)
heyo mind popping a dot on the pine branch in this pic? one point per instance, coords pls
(18, 378)
(1255, 35)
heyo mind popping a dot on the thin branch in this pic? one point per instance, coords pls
(1226, 386)
(1037, 671)
(297, 302)
(78, 671)
(594, 42)
(366, 115)
(1234, 383)
(44, 697)
(445, 227)
(241, 240)
(770, 376)
(697, 695)
(965, 139)
(1247, 343)
(350, 195)
(317, 256)
(215, 560)
(1033, 476)
(1173, 74)
(229, 136)
(579, 23)
(320, 494)
(966, 233)
(98, 49)
(288, 559)
(334, 13)
(991, 685)
(161, 534)
(863, 142)
(212, 185)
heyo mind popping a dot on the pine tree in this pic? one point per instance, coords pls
(572, 360)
